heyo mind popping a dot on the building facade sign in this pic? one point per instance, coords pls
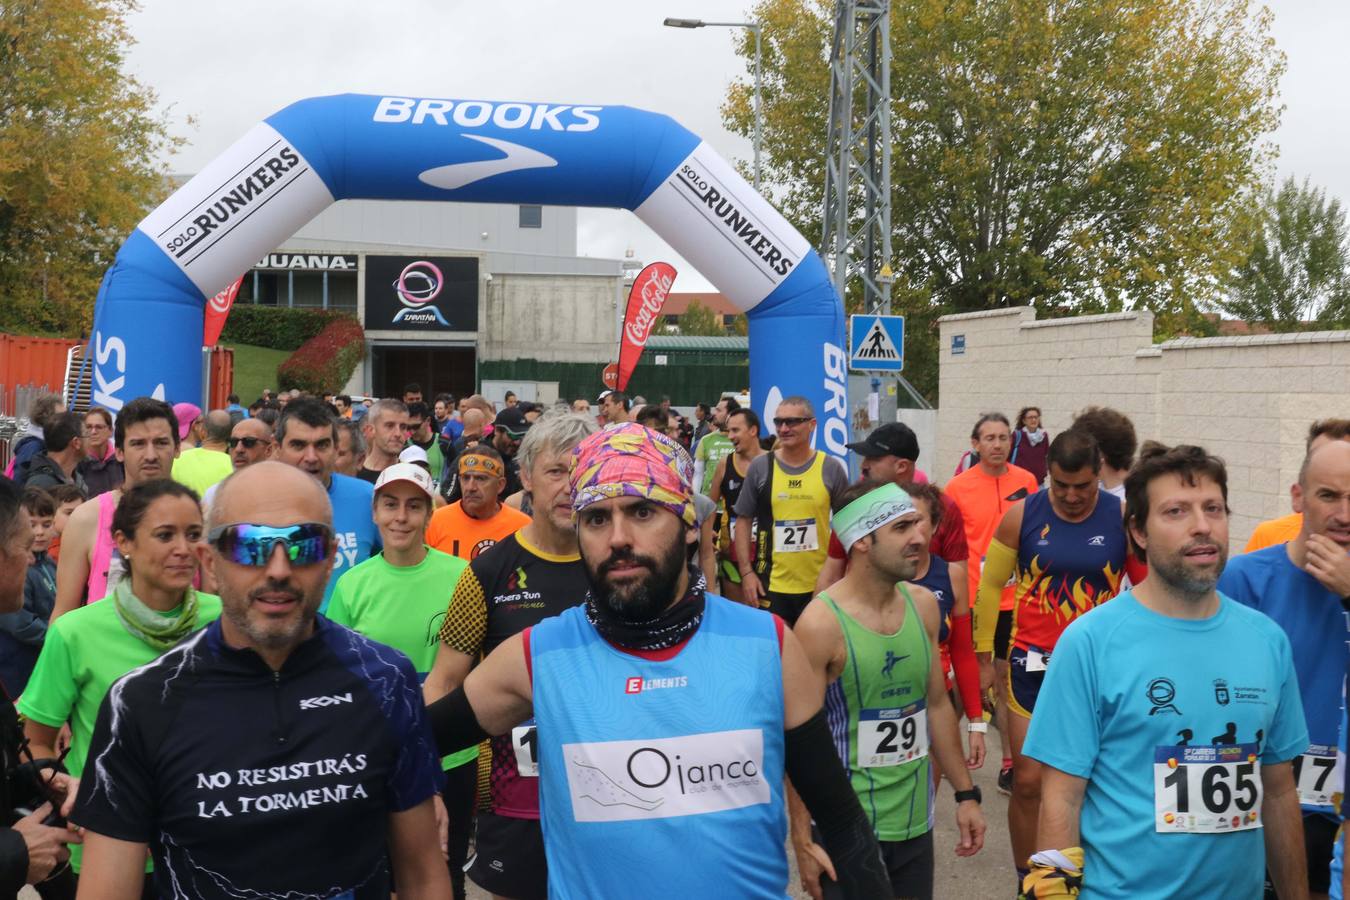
(421, 293)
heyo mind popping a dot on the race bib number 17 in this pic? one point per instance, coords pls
(525, 741)
(1209, 789)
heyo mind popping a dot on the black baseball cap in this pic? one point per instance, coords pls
(512, 420)
(891, 439)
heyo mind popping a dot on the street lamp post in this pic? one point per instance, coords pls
(754, 27)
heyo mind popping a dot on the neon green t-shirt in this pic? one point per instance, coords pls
(714, 446)
(402, 606)
(85, 651)
(199, 469)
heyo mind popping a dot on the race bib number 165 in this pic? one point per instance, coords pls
(1209, 789)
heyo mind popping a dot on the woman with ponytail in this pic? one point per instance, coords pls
(158, 530)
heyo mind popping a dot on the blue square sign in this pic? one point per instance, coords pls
(877, 343)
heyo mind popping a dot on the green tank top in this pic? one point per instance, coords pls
(878, 714)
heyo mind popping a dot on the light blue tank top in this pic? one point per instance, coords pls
(662, 778)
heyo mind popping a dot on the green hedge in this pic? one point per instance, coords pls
(277, 327)
(326, 361)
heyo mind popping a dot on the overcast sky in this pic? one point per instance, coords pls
(229, 65)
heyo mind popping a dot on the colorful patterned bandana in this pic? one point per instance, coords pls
(870, 512)
(476, 462)
(628, 460)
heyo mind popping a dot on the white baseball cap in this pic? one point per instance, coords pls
(405, 471)
(413, 454)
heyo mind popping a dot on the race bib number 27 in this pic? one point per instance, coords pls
(1209, 789)
(795, 536)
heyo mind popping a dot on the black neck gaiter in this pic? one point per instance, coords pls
(677, 623)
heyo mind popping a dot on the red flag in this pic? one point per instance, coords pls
(645, 300)
(217, 311)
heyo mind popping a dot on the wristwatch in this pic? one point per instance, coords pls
(972, 794)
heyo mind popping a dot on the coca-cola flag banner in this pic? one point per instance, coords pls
(645, 300)
(217, 311)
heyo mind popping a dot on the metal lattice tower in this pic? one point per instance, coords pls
(858, 161)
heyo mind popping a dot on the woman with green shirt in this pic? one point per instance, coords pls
(158, 531)
(399, 597)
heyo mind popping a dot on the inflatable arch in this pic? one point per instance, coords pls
(149, 313)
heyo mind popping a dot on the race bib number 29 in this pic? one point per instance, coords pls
(1209, 789)
(891, 737)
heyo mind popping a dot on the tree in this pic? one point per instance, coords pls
(701, 320)
(1075, 155)
(1296, 274)
(79, 143)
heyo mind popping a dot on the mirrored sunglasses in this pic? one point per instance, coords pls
(252, 545)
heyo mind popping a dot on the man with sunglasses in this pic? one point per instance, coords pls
(275, 753)
(307, 439)
(424, 435)
(789, 494)
(250, 442)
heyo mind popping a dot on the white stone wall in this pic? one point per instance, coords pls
(1248, 399)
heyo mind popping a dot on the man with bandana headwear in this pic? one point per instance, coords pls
(645, 750)
(478, 519)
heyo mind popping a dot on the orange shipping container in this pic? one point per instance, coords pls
(222, 377)
(34, 361)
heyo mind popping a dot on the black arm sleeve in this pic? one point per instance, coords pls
(454, 724)
(13, 862)
(816, 773)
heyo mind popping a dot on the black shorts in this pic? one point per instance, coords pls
(786, 606)
(1003, 634)
(1319, 842)
(1023, 686)
(908, 863)
(508, 858)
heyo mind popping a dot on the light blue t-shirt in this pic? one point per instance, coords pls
(1316, 624)
(1338, 854)
(1128, 695)
(358, 538)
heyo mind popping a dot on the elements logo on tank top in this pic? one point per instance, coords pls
(619, 781)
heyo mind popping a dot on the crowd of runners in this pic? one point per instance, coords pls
(335, 649)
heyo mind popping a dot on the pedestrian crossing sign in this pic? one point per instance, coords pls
(877, 342)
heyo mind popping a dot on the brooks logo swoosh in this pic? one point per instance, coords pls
(457, 175)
